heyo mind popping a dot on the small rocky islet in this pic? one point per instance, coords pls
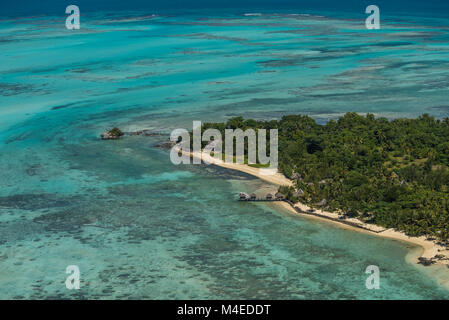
(116, 133)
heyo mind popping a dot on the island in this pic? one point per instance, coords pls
(113, 134)
(389, 175)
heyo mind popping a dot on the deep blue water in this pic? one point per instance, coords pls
(356, 7)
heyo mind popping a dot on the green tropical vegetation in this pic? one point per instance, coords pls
(394, 173)
(115, 132)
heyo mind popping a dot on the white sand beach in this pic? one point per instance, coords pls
(428, 248)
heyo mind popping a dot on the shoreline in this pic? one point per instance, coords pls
(428, 249)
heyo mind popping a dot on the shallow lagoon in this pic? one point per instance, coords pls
(139, 227)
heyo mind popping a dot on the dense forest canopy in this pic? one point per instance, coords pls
(391, 173)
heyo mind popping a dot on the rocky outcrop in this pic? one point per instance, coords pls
(108, 136)
(116, 133)
(113, 134)
(145, 132)
(430, 261)
(166, 145)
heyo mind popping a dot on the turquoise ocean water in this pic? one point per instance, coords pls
(138, 226)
